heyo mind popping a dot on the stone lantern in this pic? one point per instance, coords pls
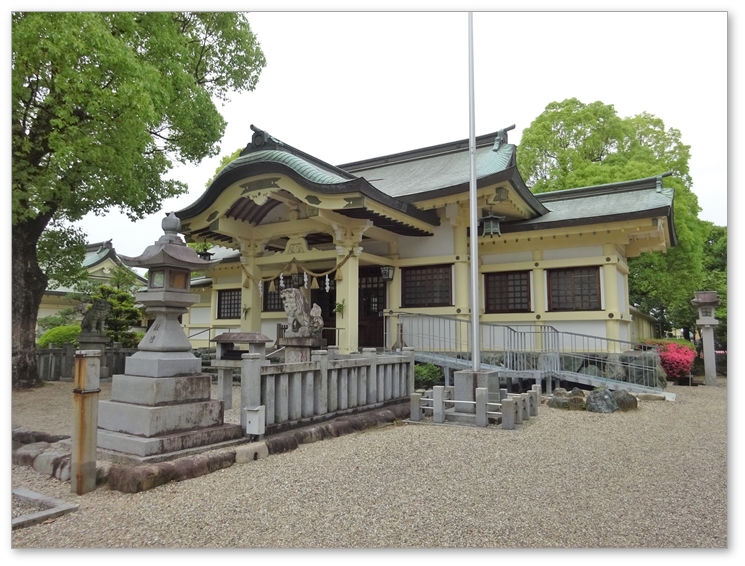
(165, 350)
(706, 302)
(162, 404)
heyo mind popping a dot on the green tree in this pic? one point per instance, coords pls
(122, 316)
(103, 104)
(572, 144)
(223, 162)
(715, 278)
(125, 279)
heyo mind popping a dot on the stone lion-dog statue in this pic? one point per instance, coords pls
(303, 320)
(95, 317)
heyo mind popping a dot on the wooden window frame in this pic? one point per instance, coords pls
(272, 302)
(428, 277)
(223, 309)
(524, 299)
(554, 275)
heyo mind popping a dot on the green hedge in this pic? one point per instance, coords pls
(426, 376)
(60, 335)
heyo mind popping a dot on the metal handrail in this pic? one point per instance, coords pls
(528, 347)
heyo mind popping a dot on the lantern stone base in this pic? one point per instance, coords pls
(120, 447)
(162, 364)
(149, 416)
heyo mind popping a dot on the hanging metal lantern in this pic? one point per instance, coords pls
(490, 223)
(386, 272)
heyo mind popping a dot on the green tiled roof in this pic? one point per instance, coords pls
(307, 170)
(431, 172)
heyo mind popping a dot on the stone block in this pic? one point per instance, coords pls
(202, 464)
(143, 447)
(147, 421)
(601, 401)
(162, 364)
(311, 434)
(625, 400)
(650, 397)
(338, 428)
(154, 391)
(280, 444)
(251, 452)
(51, 461)
(559, 402)
(134, 479)
(102, 471)
(26, 454)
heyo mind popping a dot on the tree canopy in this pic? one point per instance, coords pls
(572, 144)
(103, 105)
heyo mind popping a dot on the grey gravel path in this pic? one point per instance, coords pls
(652, 478)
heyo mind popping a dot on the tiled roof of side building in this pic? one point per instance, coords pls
(419, 175)
(640, 198)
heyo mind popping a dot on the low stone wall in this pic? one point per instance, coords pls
(56, 363)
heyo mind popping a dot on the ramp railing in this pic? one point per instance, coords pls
(535, 348)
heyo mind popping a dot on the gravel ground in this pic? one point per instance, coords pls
(656, 477)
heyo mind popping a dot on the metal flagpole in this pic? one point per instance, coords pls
(473, 198)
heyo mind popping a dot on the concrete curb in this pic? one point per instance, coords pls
(55, 508)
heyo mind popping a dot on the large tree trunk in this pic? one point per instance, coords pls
(29, 283)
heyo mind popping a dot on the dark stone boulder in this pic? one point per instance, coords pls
(575, 403)
(591, 369)
(24, 436)
(384, 416)
(402, 410)
(362, 421)
(577, 392)
(558, 402)
(337, 428)
(625, 400)
(600, 401)
(27, 453)
(134, 479)
(202, 464)
(311, 434)
(279, 444)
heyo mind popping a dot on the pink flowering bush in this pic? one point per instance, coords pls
(676, 359)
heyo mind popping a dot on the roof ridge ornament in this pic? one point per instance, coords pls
(259, 139)
(501, 137)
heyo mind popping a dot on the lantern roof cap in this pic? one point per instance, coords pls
(169, 250)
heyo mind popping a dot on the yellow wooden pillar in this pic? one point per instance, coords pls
(539, 294)
(610, 289)
(251, 299)
(347, 293)
(462, 276)
(393, 300)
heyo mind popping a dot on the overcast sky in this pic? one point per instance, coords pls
(349, 86)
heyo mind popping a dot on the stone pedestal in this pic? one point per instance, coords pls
(96, 341)
(466, 382)
(298, 349)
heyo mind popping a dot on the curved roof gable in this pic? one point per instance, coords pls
(266, 154)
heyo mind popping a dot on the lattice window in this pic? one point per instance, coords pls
(508, 292)
(430, 286)
(272, 299)
(229, 303)
(575, 289)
